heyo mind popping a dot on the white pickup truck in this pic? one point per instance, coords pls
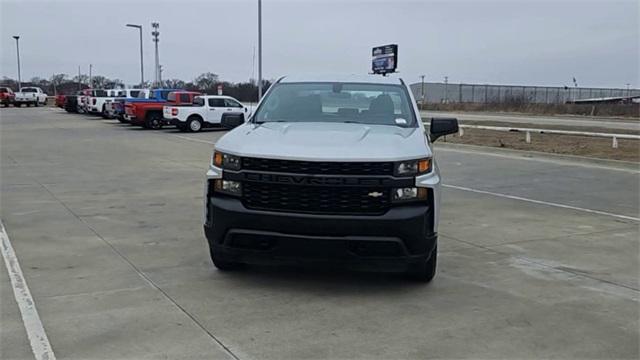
(205, 112)
(30, 96)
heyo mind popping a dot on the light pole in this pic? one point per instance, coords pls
(90, 78)
(259, 50)
(18, 53)
(422, 93)
(139, 27)
(628, 90)
(446, 90)
(156, 39)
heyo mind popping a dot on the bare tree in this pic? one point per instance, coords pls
(206, 81)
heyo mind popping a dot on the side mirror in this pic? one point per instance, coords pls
(441, 127)
(245, 109)
(231, 121)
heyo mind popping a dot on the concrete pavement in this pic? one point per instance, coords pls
(106, 222)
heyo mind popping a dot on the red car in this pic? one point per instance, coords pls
(148, 112)
(6, 96)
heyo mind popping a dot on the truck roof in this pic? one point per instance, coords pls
(369, 79)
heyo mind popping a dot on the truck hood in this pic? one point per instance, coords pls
(325, 142)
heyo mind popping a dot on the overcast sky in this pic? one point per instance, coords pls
(507, 42)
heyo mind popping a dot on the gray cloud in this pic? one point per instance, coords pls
(514, 42)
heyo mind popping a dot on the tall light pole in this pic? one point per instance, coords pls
(90, 77)
(18, 53)
(422, 93)
(139, 27)
(446, 90)
(156, 39)
(259, 50)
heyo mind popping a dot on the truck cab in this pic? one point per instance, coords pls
(206, 111)
(331, 171)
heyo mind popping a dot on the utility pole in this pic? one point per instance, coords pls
(79, 82)
(90, 77)
(446, 90)
(160, 74)
(18, 54)
(422, 93)
(259, 50)
(156, 35)
(628, 90)
(139, 27)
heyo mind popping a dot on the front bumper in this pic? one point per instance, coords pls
(390, 242)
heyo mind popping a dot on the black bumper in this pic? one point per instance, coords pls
(389, 242)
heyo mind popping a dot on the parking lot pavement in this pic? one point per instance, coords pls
(539, 258)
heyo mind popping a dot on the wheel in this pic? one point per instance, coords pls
(426, 270)
(153, 121)
(104, 112)
(194, 124)
(223, 265)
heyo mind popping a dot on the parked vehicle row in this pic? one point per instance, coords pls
(29, 96)
(156, 108)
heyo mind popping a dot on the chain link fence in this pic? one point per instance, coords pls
(500, 94)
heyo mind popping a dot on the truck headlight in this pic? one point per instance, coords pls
(408, 194)
(412, 167)
(228, 187)
(226, 161)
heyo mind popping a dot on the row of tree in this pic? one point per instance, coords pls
(206, 83)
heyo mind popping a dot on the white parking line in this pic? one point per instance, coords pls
(35, 331)
(512, 197)
(193, 139)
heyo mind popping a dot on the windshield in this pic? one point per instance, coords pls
(29, 90)
(376, 104)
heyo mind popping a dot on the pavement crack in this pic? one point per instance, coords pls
(142, 274)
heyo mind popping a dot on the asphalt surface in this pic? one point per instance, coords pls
(538, 258)
(541, 120)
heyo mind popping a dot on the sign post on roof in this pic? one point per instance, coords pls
(384, 59)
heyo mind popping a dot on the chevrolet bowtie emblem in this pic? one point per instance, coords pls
(375, 194)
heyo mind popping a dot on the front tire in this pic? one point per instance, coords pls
(194, 124)
(426, 270)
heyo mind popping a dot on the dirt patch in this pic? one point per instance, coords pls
(628, 150)
(551, 127)
(625, 110)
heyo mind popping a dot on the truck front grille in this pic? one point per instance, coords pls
(317, 167)
(316, 199)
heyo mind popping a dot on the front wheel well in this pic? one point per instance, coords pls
(152, 113)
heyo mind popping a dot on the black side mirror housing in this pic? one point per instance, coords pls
(231, 121)
(441, 127)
